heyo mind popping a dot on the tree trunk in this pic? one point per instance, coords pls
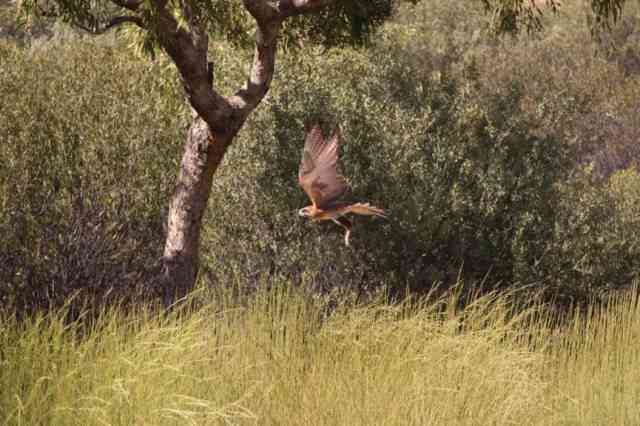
(202, 155)
(218, 120)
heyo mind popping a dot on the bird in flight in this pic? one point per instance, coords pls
(323, 184)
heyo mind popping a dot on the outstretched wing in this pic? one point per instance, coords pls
(318, 175)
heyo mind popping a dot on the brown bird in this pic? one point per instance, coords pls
(323, 184)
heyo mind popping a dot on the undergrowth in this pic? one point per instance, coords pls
(280, 357)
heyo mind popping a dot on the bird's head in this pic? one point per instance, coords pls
(304, 212)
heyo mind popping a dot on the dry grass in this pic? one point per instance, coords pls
(276, 358)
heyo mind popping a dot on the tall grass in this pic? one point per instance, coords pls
(595, 365)
(278, 357)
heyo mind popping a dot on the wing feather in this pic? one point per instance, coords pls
(318, 174)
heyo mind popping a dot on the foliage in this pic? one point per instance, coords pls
(499, 161)
(472, 146)
(85, 180)
(464, 180)
(510, 16)
(345, 22)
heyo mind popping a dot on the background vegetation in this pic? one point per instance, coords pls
(505, 160)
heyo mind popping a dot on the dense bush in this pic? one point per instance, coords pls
(480, 149)
(488, 155)
(467, 185)
(89, 143)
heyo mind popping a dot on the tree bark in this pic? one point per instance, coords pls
(217, 121)
(203, 153)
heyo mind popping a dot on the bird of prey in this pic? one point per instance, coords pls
(323, 184)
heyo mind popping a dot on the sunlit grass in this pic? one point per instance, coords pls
(278, 358)
(595, 367)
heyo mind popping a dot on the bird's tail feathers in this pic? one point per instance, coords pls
(367, 209)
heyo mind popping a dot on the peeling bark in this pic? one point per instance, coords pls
(202, 155)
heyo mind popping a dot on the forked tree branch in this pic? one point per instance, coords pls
(188, 48)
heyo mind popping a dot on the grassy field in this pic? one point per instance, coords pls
(277, 358)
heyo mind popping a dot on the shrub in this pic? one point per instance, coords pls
(466, 183)
(89, 143)
(474, 147)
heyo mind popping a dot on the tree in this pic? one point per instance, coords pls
(182, 29)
